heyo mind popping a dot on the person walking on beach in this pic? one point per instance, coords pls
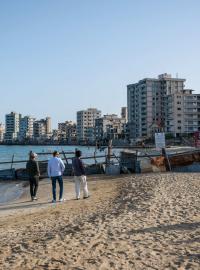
(56, 168)
(79, 175)
(33, 171)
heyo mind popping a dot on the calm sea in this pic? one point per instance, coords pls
(21, 153)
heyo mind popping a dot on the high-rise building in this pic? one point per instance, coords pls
(12, 126)
(86, 124)
(183, 113)
(2, 131)
(162, 104)
(147, 104)
(26, 128)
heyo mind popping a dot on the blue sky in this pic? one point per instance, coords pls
(57, 57)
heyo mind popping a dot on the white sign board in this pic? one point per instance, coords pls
(160, 140)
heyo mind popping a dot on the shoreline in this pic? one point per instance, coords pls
(44, 193)
(10, 191)
(81, 145)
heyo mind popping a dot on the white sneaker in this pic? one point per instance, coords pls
(53, 201)
(61, 200)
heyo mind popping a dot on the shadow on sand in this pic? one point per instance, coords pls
(22, 205)
(166, 228)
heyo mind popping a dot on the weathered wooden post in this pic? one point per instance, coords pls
(65, 157)
(164, 154)
(12, 161)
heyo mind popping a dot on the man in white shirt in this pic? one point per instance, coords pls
(56, 168)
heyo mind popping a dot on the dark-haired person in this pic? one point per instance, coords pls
(33, 171)
(56, 168)
(79, 176)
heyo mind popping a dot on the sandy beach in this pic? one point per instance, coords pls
(149, 221)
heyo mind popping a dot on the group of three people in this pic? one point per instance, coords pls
(55, 170)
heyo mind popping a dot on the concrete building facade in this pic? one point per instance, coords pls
(67, 131)
(42, 129)
(109, 126)
(2, 131)
(183, 113)
(26, 128)
(86, 124)
(147, 104)
(48, 125)
(12, 121)
(162, 104)
(124, 113)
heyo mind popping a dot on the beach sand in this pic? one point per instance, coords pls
(149, 221)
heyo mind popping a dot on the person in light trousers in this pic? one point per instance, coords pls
(79, 176)
(56, 168)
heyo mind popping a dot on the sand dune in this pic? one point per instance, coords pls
(138, 222)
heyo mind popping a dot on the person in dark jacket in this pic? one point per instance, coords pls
(79, 176)
(33, 171)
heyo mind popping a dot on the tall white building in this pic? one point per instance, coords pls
(147, 104)
(86, 124)
(183, 113)
(12, 126)
(162, 104)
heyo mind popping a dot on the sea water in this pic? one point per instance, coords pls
(21, 152)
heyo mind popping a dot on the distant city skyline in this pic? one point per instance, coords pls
(57, 58)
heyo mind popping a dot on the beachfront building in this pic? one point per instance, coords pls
(2, 131)
(109, 126)
(147, 104)
(67, 132)
(12, 121)
(183, 113)
(42, 129)
(86, 124)
(26, 128)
